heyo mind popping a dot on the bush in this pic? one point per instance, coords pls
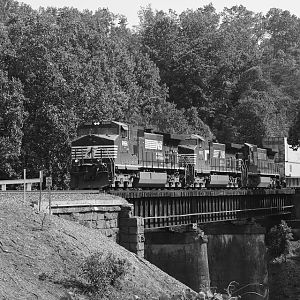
(102, 271)
(278, 240)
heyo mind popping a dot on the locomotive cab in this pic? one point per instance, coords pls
(96, 154)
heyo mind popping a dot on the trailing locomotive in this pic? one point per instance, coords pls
(118, 155)
(288, 158)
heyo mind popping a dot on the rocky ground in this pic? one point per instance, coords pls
(41, 255)
(284, 275)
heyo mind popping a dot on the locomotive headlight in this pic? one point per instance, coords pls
(76, 161)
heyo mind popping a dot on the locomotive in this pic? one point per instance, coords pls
(113, 154)
(288, 158)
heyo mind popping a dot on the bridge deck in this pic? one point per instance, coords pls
(132, 194)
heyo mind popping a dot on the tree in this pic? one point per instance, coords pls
(278, 239)
(283, 30)
(181, 48)
(74, 67)
(49, 148)
(249, 126)
(12, 117)
(294, 133)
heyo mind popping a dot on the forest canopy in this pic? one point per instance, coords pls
(232, 76)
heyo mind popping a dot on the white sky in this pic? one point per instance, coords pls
(129, 8)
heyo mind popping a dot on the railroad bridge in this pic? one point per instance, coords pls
(223, 244)
(169, 208)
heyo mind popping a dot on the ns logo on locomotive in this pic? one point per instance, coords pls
(112, 154)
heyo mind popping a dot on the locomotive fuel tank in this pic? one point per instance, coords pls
(150, 179)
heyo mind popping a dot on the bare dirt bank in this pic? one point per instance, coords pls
(40, 258)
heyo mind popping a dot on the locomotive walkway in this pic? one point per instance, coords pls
(167, 208)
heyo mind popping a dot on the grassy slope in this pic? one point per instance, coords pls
(42, 262)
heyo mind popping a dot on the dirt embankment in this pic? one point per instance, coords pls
(40, 258)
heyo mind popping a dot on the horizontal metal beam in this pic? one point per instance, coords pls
(150, 229)
(218, 212)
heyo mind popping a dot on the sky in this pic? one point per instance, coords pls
(129, 8)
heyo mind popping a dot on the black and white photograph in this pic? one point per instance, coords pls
(149, 150)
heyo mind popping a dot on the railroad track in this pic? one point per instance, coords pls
(163, 192)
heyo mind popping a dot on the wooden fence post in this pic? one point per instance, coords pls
(41, 187)
(24, 190)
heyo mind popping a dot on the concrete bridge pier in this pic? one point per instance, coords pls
(228, 252)
(237, 252)
(181, 253)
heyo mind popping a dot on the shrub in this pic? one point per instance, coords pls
(102, 271)
(278, 240)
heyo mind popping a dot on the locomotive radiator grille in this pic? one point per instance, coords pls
(94, 152)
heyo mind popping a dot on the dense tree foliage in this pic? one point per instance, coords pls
(239, 69)
(278, 240)
(233, 75)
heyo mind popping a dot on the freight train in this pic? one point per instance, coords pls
(113, 154)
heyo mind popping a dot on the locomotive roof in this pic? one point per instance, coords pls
(191, 147)
(173, 136)
(176, 136)
(123, 125)
(97, 136)
(250, 145)
(234, 146)
(192, 136)
(197, 136)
